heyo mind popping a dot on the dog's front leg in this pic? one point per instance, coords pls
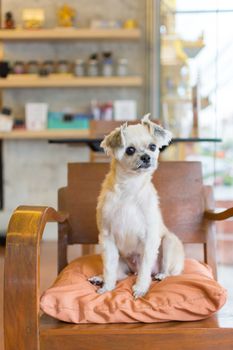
(150, 254)
(110, 257)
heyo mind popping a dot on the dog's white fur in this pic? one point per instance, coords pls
(131, 229)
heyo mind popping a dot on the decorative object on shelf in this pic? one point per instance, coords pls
(66, 16)
(33, 18)
(107, 64)
(9, 22)
(79, 68)
(130, 24)
(36, 116)
(61, 120)
(93, 65)
(4, 69)
(33, 67)
(6, 120)
(107, 111)
(63, 66)
(102, 111)
(104, 23)
(122, 67)
(18, 67)
(95, 110)
(125, 110)
(19, 124)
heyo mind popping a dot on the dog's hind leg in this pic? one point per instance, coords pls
(172, 257)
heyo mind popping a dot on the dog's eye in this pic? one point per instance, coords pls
(130, 151)
(152, 147)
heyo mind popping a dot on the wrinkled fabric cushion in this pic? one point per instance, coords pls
(194, 295)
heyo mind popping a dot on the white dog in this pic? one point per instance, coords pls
(131, 228)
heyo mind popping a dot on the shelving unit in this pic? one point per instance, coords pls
(44, 135)
(67, 80)
(69, 34)
(33, 81)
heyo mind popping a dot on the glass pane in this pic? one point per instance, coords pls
(197, 81)
(196, 97)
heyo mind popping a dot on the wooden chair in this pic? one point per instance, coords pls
(187, 208)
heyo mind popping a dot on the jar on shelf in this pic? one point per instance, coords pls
(79, 69)
(122, 67)
(63, 66)
(18, 67)
(107, 64)
(49, 66)
(93, 65)
(33, 67)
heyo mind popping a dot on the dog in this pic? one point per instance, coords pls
(132, 233)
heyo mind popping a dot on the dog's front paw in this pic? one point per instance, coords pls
(159, 276)
(104, 289)
(139, 291)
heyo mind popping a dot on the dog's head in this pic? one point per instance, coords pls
(136, 147)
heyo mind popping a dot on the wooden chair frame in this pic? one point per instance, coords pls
(25, 329)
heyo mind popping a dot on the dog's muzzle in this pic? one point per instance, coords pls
(146, 161)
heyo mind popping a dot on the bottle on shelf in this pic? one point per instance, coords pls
(49, 66)
(79, 68)
(107, 64)
(93, 65)
(122, 67)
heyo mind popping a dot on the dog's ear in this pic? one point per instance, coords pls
(114, 140)
(162, 136)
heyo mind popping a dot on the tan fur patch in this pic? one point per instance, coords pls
(114, 140)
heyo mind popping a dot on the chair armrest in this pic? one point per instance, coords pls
(22, 274)
(216, 215)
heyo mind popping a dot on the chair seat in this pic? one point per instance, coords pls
(206, 334)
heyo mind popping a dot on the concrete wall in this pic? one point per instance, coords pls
(34, 170)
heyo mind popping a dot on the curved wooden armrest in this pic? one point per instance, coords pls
(21, 279)
(214, 215)
(29, 221)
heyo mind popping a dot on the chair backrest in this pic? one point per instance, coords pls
(179, 185)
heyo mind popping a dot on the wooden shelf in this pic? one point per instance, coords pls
(69, 34)
(49, 134)
(67, 80)
(176, 99)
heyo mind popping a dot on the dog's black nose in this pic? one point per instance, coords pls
(145, 158)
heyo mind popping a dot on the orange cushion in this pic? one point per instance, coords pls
(194, 295)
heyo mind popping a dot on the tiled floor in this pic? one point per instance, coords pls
(48, 273)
